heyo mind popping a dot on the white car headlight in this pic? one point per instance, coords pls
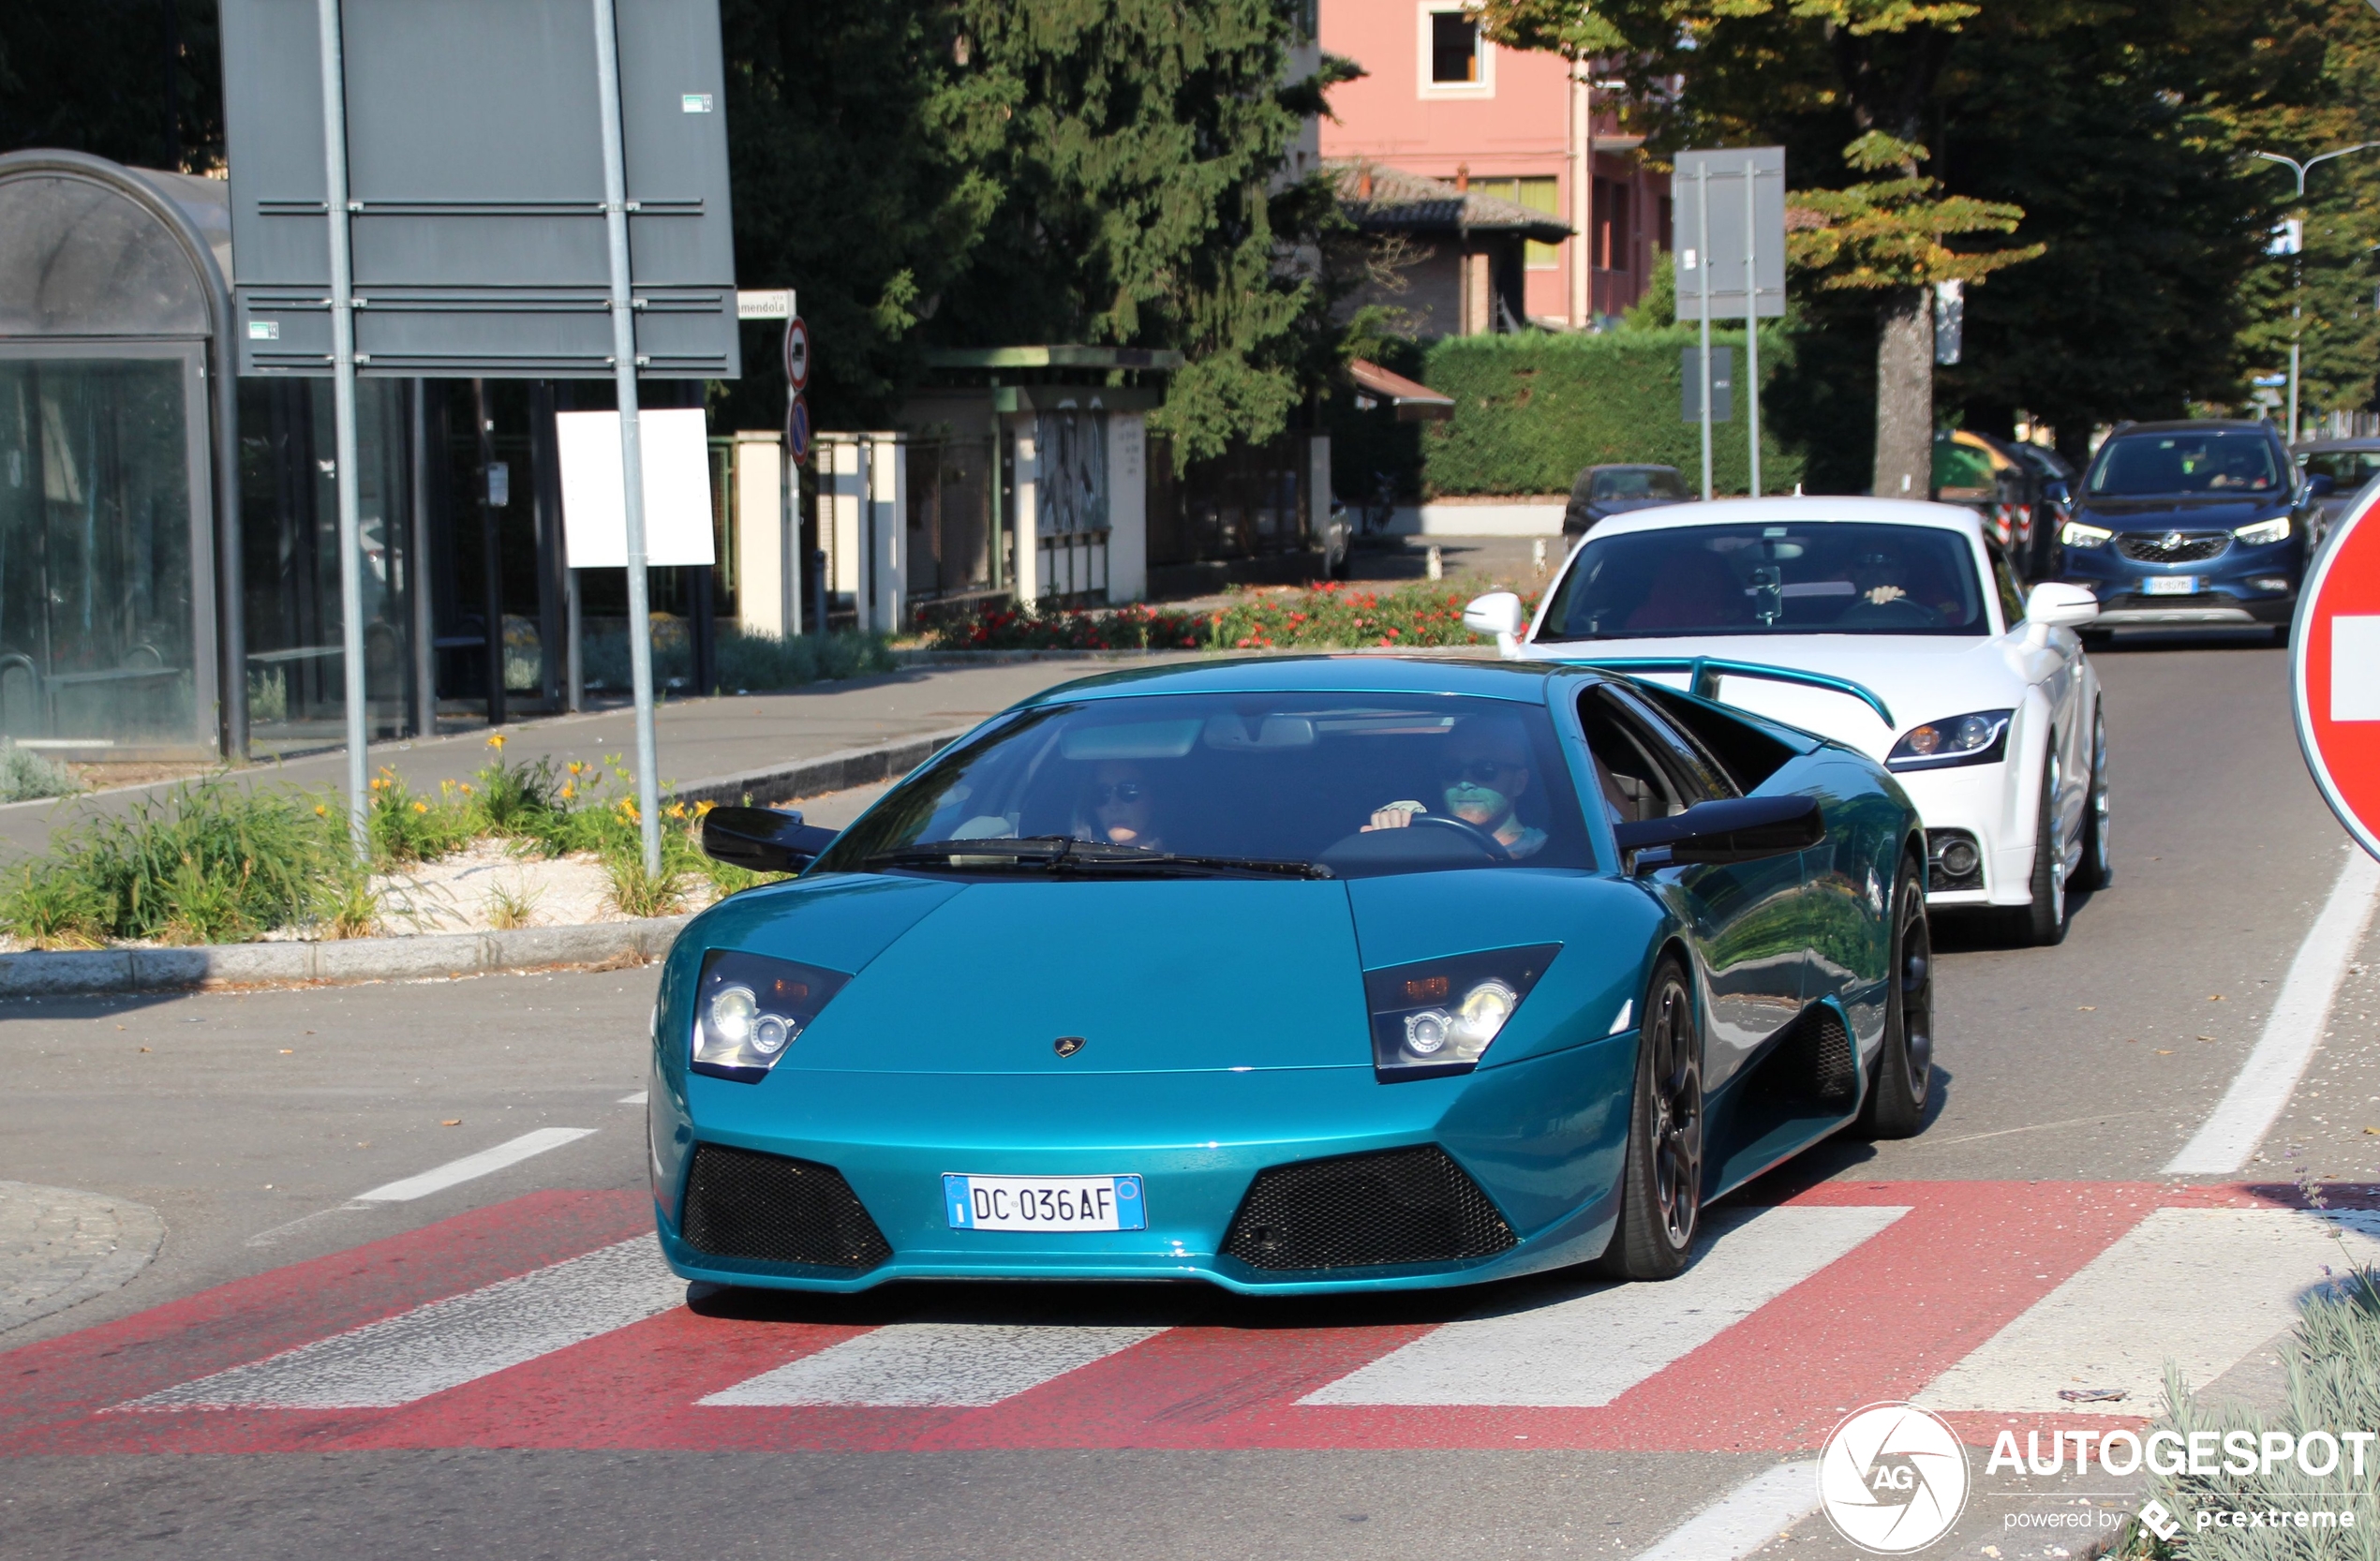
(1979, 738)
(748, 1009)
(2264, 533)
(2075, 534)
(1440, 1017)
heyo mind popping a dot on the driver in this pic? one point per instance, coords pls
(1118, 809)
(1484, 773)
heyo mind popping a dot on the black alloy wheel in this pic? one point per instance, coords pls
(1896, 1103)
(1662, 1181)
(2097, 870)
(2043, 923)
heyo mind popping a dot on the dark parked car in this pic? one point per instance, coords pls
(2337, 470)
(1604, 491)
(2201, 524)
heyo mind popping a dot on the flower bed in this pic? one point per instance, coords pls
(1329, 616)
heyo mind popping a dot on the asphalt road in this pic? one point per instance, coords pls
(250, 1123)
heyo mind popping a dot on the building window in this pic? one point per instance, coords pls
(1538, 195)
(1455, 60)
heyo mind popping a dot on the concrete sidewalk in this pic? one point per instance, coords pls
(699, 739)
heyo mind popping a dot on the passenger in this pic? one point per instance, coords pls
(1482, 776)
(1118, 808)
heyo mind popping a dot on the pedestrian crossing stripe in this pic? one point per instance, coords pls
(551, 1321)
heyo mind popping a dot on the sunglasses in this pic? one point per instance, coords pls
(1118, 791)
(1484, 771)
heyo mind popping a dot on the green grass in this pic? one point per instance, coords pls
(216, 862)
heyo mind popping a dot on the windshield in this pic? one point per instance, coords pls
(2218, 461)
(1638, 483)
(1823, 578)
(2346, 468)
(1338, 784)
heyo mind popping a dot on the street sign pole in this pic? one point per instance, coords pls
(2334, 674)
(1751, 315)
(1703, 265)
(632, 462)
(343, 415)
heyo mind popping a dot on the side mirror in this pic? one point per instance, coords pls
(2320, 485)
(2055, 604)
(1741, 829)
(1497, 613)
(763, 839)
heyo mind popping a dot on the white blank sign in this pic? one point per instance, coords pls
(677, 519)
(2355, 668)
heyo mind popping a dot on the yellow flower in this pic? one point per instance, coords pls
(701, 808)
(568, 789)
(577, 769)
(467, 786)
(421, 807)
(496, 741)
(320, 811)
(677, 809)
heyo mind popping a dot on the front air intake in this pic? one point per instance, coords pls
(1364, 1211)
(767, 1209)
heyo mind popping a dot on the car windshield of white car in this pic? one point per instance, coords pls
(1263, 786)
(2149, 464)
(1823, 577)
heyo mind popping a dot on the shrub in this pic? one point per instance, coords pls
(27, 776)
(747, 662)
(1328, 616)
(1137, 627)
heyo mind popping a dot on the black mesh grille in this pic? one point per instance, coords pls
(1833, 1072)
(1400, 1206)
(2183, 548)
(773, 1209)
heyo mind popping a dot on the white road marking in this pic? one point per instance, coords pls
(2199, 1286)
(933, 1364)
(1744, 1518)
(509, 1152)
(1589, 1349)
(636, 1099)
(447, 1343)
(2266, 1079)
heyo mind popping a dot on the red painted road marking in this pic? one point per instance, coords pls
(1880, 1322)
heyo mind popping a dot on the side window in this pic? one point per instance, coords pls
(1745, 754)
(1691, 769)
(2012, 601)
(1635, 786)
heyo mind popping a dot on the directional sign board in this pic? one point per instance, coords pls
(1713, 183)
(476, 188)
(2335, 671)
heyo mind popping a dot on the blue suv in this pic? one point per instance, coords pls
(2190, 525)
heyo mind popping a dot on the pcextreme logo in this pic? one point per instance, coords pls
(1893, 1478)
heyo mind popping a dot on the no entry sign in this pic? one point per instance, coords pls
(2335, 672)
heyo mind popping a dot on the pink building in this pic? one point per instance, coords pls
(1442, 101)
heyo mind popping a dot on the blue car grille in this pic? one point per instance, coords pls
(2173, 548)
(1362, 1211)
(768, 1209)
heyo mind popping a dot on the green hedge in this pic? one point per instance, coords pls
(1532, 408)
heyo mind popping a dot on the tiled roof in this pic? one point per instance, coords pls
(1378, 196)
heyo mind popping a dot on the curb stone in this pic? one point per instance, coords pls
(827, 772)
(430, 956)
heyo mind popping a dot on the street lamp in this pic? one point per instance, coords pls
(2296, 261)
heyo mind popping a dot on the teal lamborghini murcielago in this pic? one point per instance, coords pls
(1300, 974)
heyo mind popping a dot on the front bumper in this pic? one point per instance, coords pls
(1198, 1139)
(1981, 800)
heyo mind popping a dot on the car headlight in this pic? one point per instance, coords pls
(1980, 739)
(2264, 533)
(749, 1009)
(1440, 1017)
(2075, 534)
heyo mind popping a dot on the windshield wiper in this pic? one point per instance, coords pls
(1063, 854)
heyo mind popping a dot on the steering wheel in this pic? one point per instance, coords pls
(1477, 835)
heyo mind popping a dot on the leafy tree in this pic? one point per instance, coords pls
(135, 81)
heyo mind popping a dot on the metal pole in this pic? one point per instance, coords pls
(1703, 265)
(631, 457)
(2297, 302)
(417, 566)
(343, 412)
(1752, 317)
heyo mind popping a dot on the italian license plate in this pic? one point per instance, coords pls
(1044, 1203)
(2170, 584)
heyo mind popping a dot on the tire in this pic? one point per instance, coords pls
(2097, 870)
(1662, 1180)
(1896, 1103)
(2043, 923)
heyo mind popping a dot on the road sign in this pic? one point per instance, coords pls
(1713, 268)
(764, 302)
(476, 201)
(796, 355)
(798, 429)
(1689, 377)
(2335, 672)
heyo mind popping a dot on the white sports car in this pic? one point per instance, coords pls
(1886, 625)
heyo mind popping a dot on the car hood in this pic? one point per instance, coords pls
(2184, 511)
(1920, 678)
